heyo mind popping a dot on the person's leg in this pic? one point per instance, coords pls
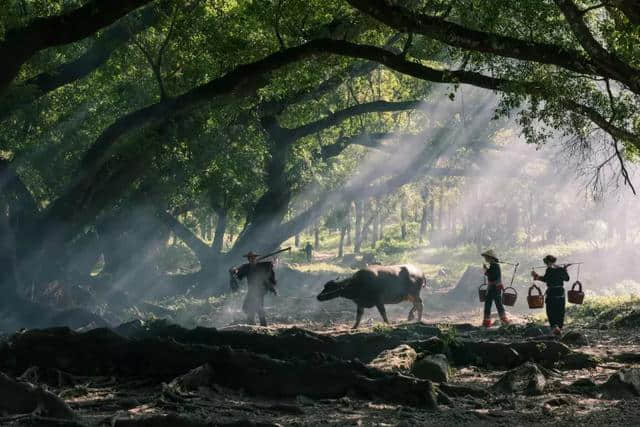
(500, 307)
(561, 311)
(487, 306)
(550, 312)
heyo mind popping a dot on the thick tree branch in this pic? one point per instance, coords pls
(630, 8)
(20, 44)
(605, 60)
(406, 20)
(112, 39)
(342, 115)
(246, 79)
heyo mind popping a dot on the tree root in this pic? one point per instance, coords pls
(20, 398)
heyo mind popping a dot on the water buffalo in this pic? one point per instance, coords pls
(378, 285)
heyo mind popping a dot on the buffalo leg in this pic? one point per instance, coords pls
(411, 312)
(383, 312)
(417, 304)
(359, 314)
(263, 318)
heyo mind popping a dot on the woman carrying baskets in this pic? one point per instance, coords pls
(554, 277)
(494, 288)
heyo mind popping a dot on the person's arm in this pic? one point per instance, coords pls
(540, 278)
(242, 271)
(564, 274)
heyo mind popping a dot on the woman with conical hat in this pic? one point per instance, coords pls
(494, 288)
(554, 277)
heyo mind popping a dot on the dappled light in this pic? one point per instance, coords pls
(319, 212)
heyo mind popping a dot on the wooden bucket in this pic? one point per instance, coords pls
(576, 296)
(482, 292)
(535, 301)
(509, 298)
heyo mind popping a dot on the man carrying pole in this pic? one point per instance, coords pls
(261, 279)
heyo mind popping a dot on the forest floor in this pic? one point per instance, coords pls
(111, 400)
(155, 373)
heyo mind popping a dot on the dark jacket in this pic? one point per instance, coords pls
(493, 273)
(260, 275)
(555, 277)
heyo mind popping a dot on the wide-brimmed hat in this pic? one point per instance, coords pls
(251, 254)
(490, 253)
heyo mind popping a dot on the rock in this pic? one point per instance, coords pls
(484, 353)
(545, 352)
(463, 391)
(626, 357)
(527, 379)
(624, 384)
(583, 386)
(433, 345)
(578, 360)
(575, 339)
(627, 320)
(399, 359)
(532, 331)
(434, 368)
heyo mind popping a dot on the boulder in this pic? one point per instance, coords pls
(575, 339)
(583, 386)
(624, 384)
(433, 345)
(484, 353)
(578, 360)
(399, 359)
(432, 367)
(527, 379)
(546, 353)
(532, 331)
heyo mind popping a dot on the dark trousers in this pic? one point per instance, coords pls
(493, 295)
(555, 311)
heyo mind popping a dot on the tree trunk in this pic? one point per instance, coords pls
(349, 229)
(440, 206)
(358, 237)
(423, 223)
(221, 226)
(343, 231)
(316, 238)
(376, 224)
(403, 219)
(296, 240)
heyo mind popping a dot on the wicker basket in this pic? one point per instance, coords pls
(482, 292)
(535, 301)
(576, 296)
(509, 298)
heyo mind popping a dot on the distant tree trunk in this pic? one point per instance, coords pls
(365, 226)
(376, 224)
(403, 219)
(348, 243)
(296, 240)
(440, 205)
(221, 226)
(423, 222)
(316, 241)
(381, 229)
(451, 214)
(8, 273)
(358, 225)
(343, 231)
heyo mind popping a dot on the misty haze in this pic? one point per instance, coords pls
(344, 212)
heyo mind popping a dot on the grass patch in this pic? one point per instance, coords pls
(611, 310)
